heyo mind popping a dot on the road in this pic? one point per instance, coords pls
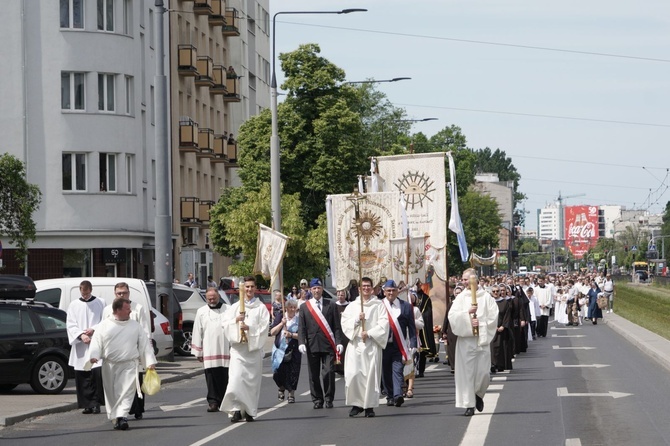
(579, 386)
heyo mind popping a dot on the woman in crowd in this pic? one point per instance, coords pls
(595, 312)
(560, 313)
(294, 294)
(285, 355)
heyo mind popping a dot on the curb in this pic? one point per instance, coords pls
(649, 343)
(13, 419)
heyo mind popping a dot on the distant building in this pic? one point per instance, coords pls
(549, 223)
(503, 193)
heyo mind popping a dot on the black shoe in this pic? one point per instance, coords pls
(355, 411)
(237, 417)
(389, 402)
(116, 424)
(329, 404)
(479, 403)
(249, 418)
(419, 375)
(123, 424)
(291, 399)
(213, 407)
(369, 413)
(399, 401)
(88, 411)
(318, 405)
(139, 416)
(494, 369)
(470, 411)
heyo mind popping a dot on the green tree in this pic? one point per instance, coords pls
(665, 232)
(18, 201)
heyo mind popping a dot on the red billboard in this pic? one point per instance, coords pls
(581, 228)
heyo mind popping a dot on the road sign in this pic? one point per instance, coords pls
(634, 248)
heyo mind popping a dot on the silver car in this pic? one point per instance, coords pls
(190, 299)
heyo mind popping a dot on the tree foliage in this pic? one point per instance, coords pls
(498, 162)
(18, 201)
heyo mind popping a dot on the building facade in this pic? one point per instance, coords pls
(549, 223)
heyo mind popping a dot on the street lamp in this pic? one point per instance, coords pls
(378, 81)
(275, 180)
(404, 120)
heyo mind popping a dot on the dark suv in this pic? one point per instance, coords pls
(177, 316)
(34, 346)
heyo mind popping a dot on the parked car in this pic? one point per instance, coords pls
(162, 336)
(191, 300)
(34, 346)
(177, 314)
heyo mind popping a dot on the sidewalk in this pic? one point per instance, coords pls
(23, 403)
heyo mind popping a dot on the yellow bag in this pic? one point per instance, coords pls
(152, 382)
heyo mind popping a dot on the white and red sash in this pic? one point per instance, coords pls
(323, 324)
(400, 340)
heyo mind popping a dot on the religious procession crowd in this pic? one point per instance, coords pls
(379, 342)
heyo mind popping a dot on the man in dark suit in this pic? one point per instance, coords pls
(401, 344)
(319, 336)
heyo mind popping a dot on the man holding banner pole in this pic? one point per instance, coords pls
(400, 346)
(319, 336)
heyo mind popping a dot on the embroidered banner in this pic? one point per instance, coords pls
(270, 251)
(412, 265)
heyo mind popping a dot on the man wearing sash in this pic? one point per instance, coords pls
(319, 336)
(368, 332)
(400, 346)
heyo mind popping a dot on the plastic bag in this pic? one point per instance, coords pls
(152, 382)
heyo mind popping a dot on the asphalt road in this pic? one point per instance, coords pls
(585, 385)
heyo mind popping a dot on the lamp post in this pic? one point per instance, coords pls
(404, 120)
(378, 81)
(275, 180)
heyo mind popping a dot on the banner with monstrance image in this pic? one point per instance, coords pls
(409, 259)
(379, 222)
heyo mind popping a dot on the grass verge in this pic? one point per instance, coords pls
(648, 307)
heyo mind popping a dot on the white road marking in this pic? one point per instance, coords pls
(568, 336)
(431, 368)
(499, 378)
(216, 435)
(597, 366)
(563, 391)
(496, 386)
(479, 424)
(556, 347)
(187, 405)
(573, 442)
(565, 328)
(267, 375)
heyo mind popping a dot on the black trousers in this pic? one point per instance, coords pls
(217, 383)
(542, 325)
(89, 388)
(321, 367)
(138, 403)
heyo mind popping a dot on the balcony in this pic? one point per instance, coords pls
(187, 56)
(217, 17)
(190, 210)
(205, 143)
(231, 28)
(204, 208)
(205, 67)
(219, 80)
(232, 83)
(231, 152)
(220, 153)
(202, 7)
(188, 135)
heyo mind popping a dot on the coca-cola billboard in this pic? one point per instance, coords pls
(581, 228)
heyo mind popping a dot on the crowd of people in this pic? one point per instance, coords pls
(379, 342)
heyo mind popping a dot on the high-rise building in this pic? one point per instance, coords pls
(549, 223)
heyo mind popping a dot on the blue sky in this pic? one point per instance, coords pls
(471, 66)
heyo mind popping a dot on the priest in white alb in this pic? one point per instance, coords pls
(121, 344)
(363, 357)
(246, 354)
(473, 353)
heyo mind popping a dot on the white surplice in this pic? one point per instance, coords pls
(363, 360)
(122, 345)
(208, 340)
(473, 354)
(80, 316)
(544, 298)
(246, 359)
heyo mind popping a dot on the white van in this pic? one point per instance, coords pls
(60, 292)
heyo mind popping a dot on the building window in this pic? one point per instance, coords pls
(130, 94)
(130, 173)
(106, 15)
(74, 172)
(72, 14)
(107, 172)
(106, 92)
(72, 91)
(127, 17)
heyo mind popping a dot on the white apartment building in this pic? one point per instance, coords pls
(78, 108)
(549, 223)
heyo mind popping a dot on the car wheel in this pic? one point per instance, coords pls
(49, 375)
(7, 387)
(185, 348)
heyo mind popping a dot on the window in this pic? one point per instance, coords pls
(50, 323)
(130, 173)
(72, 14)
(151, 28)
(72, 91)
(106, 15)
(106, 92)
(152, 107)
(74, 171)
(107, 172)
(130, 93)
(127, 17)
